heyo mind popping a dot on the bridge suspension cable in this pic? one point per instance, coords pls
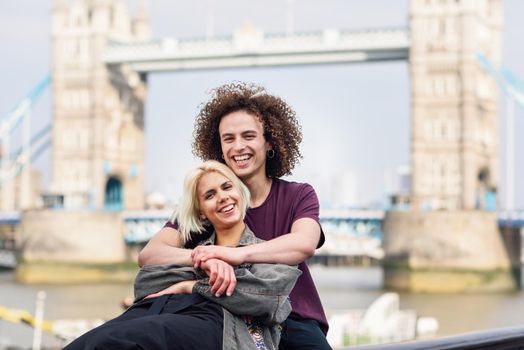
(12, 164)
(513, 88)
(14, 117)
(21, 158)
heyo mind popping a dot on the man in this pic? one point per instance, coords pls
(258, 137)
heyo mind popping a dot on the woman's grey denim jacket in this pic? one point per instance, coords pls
(261, 292)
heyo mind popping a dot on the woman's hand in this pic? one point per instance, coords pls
(184, 287)
(221, 276)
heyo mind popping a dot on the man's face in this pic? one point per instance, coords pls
(243, 144)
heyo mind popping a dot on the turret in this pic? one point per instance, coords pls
(141, 27)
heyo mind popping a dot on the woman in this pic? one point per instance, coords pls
(175, 307)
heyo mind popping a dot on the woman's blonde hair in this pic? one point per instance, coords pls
(187, 213)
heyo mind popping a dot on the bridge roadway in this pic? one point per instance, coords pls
(351, 232)
(250, 47)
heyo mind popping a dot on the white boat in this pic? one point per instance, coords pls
(381, 322)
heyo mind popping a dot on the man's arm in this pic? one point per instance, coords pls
(289, 249)
(165, 248)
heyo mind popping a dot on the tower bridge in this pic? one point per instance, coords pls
(101, 58)
(102, 55)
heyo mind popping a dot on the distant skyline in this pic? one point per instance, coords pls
(355, 118)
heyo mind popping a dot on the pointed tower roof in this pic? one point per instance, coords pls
(142, 13)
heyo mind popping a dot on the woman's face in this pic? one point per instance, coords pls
(243, 144)
(219, 200)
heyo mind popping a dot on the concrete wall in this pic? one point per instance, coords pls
(464, 239)
(444, 251)
(72, 236)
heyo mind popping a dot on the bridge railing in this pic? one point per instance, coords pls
(492, 339)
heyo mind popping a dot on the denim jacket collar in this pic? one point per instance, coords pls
(247, 238)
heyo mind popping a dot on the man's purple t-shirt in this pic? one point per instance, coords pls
(286, 203)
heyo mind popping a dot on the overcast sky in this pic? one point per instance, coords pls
(355, 118)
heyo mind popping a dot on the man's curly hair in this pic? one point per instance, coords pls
(281, 128)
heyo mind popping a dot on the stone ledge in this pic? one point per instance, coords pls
(447, 280)
(75, 273)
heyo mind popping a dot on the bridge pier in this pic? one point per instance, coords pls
(446, 252)
(449, 241)
(61, 246)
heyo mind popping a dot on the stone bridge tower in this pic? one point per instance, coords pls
(454, 104)
(98, 110)
(449, 241)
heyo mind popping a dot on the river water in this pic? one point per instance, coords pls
(340, 288)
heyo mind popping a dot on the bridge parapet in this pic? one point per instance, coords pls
(9, 218)
(251, 47)
(511, 219)
(141, 225)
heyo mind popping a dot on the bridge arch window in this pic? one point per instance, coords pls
(486, 197)
(113, 194)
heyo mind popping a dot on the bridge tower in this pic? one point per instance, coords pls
(451, 233)
(98, 110)
(454, 107)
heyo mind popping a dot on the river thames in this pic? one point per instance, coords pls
(340, 289)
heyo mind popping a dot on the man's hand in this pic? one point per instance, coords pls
(233, 256)
(221, 276)
(184, 287)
